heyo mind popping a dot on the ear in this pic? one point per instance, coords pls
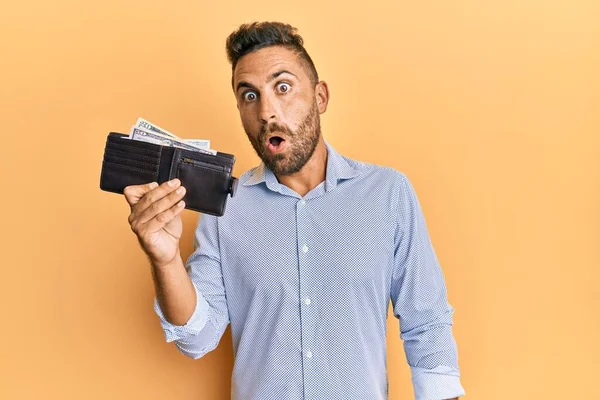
(322, 96)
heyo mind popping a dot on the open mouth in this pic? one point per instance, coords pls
(276, 144)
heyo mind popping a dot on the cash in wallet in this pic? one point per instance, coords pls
(206, 175)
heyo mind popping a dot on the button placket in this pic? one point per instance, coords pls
(307, 316)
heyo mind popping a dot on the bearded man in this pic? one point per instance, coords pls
(308, 255)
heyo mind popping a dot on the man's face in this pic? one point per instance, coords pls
(278, 108)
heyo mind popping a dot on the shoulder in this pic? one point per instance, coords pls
(381, 173)
(255, 172)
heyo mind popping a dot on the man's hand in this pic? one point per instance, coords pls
(155, 218)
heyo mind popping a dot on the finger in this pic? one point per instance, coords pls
(134, 193)
(160, 220)
(161, 205)
(156, 194)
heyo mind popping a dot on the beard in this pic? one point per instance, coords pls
(301, 144)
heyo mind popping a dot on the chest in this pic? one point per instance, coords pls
(279, 244)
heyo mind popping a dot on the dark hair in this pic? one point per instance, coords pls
(258, 35)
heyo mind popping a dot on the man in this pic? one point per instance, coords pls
(308, 254)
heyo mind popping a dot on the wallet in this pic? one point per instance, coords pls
(206, 177)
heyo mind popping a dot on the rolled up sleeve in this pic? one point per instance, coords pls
(203, 331)
(192, 327)
(419, 299)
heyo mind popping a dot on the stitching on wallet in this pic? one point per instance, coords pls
(199, 167)
(174, 162)
(112, 164)
(139, 162)
(132, 148)
(124, 154)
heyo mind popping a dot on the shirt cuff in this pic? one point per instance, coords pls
(439, 383)
(192, 327)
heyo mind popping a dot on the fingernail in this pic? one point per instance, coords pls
(172, 182)
(153, 185)
(180, 190)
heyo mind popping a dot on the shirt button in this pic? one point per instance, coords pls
(303, 202)
(309, 354)
(305, 248)
(307, 301)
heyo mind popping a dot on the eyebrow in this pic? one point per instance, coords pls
(271, 77)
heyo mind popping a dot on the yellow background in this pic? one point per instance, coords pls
(491, 108)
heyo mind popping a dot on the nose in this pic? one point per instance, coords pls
(269, 109)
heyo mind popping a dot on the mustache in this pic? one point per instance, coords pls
(274, 127)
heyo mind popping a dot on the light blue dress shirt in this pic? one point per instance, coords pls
(305, 283)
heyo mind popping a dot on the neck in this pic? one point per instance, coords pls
(311, 175)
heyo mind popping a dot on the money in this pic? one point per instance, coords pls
(146, 131)
(201, 144)
(142, 123)
(164, 140)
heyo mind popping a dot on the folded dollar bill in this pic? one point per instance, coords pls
(200, 143)
(142, 123)
(148, 132)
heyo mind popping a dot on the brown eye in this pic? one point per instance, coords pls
(249, 96)
(283, 87)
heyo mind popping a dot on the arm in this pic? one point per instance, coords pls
(190, 300)
(193, 320)
(418, 295)
(174, 290)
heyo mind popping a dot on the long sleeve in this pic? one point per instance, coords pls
(419, 299)
(207, 324)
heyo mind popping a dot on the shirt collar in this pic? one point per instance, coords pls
(337, 169)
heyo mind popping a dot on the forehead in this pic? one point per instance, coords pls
(259, 65)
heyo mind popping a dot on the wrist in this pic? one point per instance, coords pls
(168, 264)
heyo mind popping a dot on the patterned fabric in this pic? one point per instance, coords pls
(306, 282)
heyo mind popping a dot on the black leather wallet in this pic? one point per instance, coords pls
(206, 177)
